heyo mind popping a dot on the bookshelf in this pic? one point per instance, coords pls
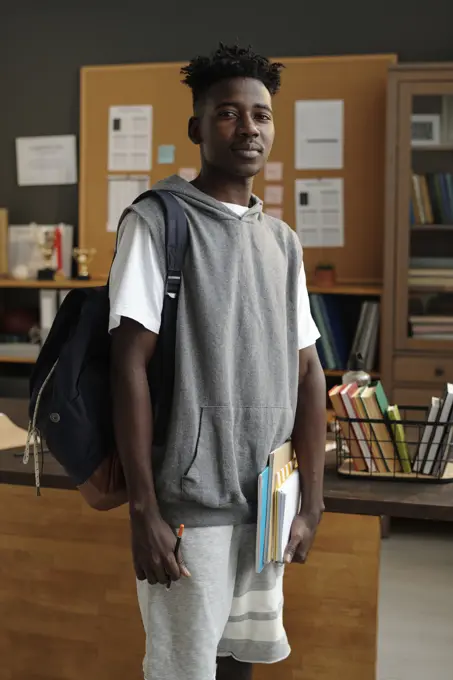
(354, 291)
(25, 353)
(418, 276)
(348, 318)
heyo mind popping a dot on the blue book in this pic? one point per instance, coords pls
(320, 321)
(449, 182)
(261, 529)
(337, 330)
(446, 205)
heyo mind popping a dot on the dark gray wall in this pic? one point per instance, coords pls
(44, 43)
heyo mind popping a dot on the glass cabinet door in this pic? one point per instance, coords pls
(424, 290)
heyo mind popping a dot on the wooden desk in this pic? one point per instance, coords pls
(68, 606)
(411, 500)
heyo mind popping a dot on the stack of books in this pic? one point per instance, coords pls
(431, 278)
(278, 503)
(376, 437)
(432, 327)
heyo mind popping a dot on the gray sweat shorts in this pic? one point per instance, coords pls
(224, 609)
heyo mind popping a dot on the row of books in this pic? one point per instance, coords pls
(334, 350)
(434, 450)
(376, 438)
(431, 327)
(370, 443)
(279, 500)
(432, 198)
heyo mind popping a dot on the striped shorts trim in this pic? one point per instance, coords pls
(225, 609)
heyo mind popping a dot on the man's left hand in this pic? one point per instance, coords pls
(302, 535)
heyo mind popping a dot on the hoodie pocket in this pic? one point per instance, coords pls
(232, 449)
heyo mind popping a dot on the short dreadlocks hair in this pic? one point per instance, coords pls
(230, 62)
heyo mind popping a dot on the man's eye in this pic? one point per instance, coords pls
(227, 114)
(263, 116)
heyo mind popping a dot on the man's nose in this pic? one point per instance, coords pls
(248, 127)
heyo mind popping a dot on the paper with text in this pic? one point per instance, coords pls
(46, 160)
(320, 212)
(130, 138)
(319, 134)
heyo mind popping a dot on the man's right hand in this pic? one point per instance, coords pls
(153, 546)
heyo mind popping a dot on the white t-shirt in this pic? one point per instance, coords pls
(137, 282)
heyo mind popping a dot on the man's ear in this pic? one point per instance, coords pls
(194, 130)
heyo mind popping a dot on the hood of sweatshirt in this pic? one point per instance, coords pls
(198, 200)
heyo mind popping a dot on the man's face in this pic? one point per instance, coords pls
(235, 127)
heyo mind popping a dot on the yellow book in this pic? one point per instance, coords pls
(393, 413)
(429, 218)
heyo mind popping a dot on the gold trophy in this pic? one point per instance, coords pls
(83, 257)
(47, 248)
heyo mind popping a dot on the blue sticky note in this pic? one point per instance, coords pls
(166, 154)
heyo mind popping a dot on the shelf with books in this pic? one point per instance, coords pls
(346, 328)
(431, 198)
(380, 441)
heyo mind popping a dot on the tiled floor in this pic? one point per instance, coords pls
(416, 603)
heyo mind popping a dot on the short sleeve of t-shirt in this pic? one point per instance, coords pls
(136, 287)
(137, 284)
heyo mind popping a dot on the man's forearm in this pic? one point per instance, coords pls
(309, 436)
(133, 420)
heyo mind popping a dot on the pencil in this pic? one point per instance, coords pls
(177, 546)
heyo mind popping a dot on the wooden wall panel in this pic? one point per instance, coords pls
(360, 81)
(68, 606)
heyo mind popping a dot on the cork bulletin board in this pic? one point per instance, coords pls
(360, 81)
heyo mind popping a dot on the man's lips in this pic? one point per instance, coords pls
(247, 151)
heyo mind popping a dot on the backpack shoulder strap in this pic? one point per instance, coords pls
(176, 242)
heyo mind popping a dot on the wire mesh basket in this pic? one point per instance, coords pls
(409, 449)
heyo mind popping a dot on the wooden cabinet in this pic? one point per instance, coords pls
(426, 369)
(417, 324)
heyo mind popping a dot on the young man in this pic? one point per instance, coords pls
(247, 379)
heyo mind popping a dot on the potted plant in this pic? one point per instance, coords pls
(325, 275)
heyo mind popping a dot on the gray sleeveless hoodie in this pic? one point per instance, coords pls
(236, 357)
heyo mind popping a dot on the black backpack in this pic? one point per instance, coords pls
(70, 400)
